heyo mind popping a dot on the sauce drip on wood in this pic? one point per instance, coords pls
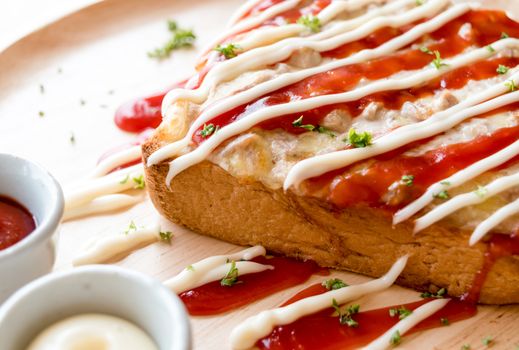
(16, 222)
(213, 298)
(499, 247)
(324, 332)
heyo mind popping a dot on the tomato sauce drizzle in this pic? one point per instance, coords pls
(16, 222)
(499, 246)
(486, 27)
(213, 298)
(323, 331)
(376, 182)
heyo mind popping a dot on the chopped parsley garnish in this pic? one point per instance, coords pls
(311, 22)
(490, 48)
(298, 123)
(125, 180)
(504, 35)
(438, 295)
(190, 268)
(445, 183)
(228, 51)
(181, 38)
(438, 62)
(502, 69)
(510, 84)
(166, 236)
(345, 318)
(402, 312)
(333, 284)
(131, 227)
(41, 114)
(139, 182)
(487, 341)
(358, 140)
(426, 50)
(420, 2)
(231, 278)
(465, 347)
(481, 191)
(442, 195)
(408, 180)
(207, 130)
(444, 321)
(396, 338)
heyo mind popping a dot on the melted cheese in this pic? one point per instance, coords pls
(247, 333)
(93, 332)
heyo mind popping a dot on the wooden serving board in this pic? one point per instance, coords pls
(98, 55)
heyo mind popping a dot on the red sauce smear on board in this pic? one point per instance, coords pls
(322, 331)
(213, 298)
(16, 222)
(486, 28)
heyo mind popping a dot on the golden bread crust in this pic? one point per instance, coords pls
(208, 200)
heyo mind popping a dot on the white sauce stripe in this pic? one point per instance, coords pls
(246, 334)
(116, 160)
(403, 326)
(290, 78)
(192, 275)
(113, 183)
(494, 220)
(333, 160)
(106, 248)
(436, 124)
(281, 50)
(457, 179)
(237, 16)
(252, 22)
(217, 273)
(102, 204)
(467, 199)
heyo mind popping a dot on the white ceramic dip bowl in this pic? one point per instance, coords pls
(109, 290)
(34, 188)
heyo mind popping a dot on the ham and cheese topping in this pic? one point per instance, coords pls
(405, 105)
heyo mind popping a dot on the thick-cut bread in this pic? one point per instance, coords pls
(208, 200)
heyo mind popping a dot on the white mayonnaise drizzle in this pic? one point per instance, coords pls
(436, 124)
(494, 220)
(119, 181)
(456, 180)
(102, 204)
(419, 314)
(247, 333)
(300, 170)
(215, 268)
(281, 50)
(237, 15)
(252, 22)
(467, 199)
(103, 249)
(116, 160)
(243, 97)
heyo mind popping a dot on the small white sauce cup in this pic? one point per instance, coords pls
(110, 290)
(33, 187)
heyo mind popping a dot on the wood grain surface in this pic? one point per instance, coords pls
(88, 63)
